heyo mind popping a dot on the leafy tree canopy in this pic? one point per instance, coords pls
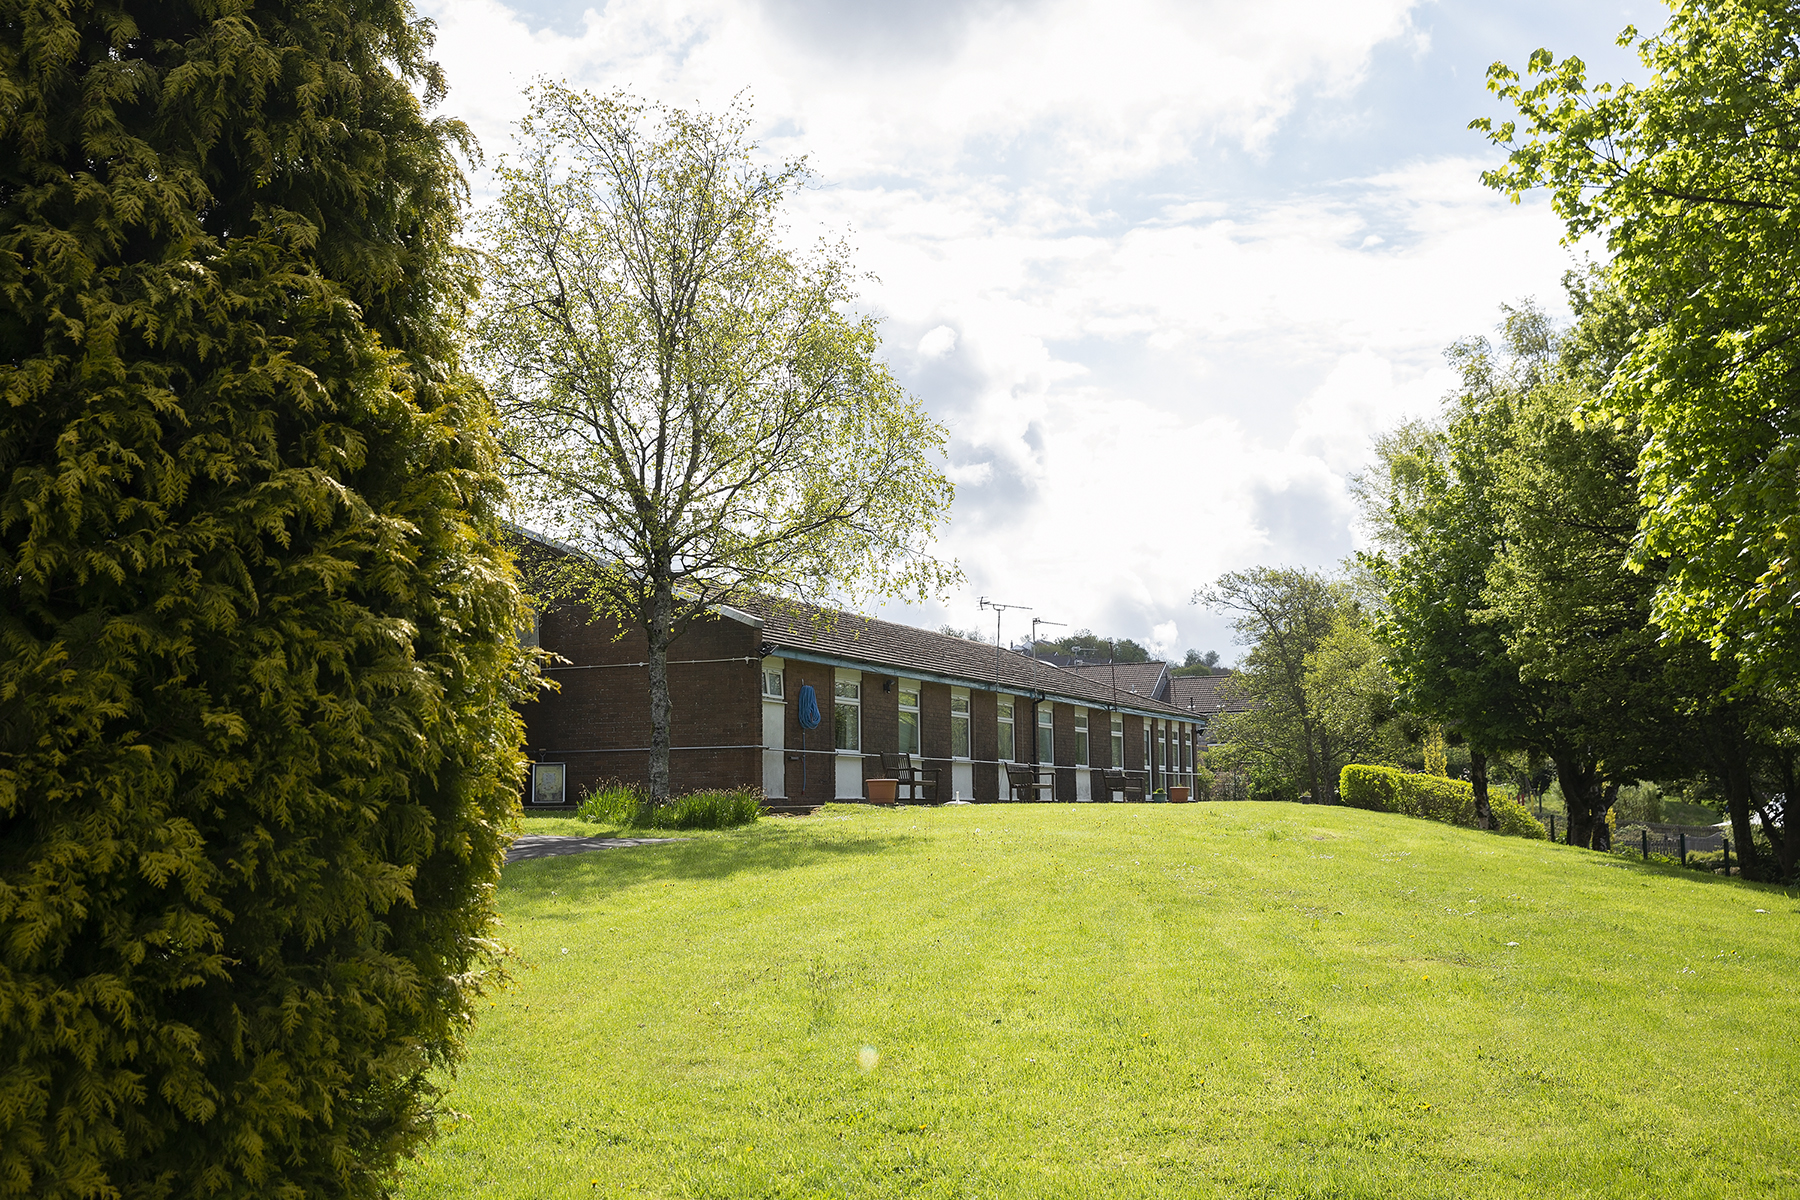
(256, 636)
(1693, 179)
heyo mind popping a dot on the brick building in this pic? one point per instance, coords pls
(735, 681)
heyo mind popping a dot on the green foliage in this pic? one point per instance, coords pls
(1693, 178)
(1512, 819)
(1090, 647)
(1639, 804)
(629, 806)
(1451, 801)
(1318, 687)
(694, 407)
(257, 755)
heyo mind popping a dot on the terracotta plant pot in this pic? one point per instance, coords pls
(883, 791)
(1178, 795)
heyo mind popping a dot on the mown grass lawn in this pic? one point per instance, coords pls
(1129, 1000)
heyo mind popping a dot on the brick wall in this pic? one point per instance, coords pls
(1134, 743)
(1063, 718)
(881, 722)
(599, 718)
(934, 733)
(811, 777)
(984, 743)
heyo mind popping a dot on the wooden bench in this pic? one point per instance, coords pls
(1128, 783)
(1030, 780)
(914, 781)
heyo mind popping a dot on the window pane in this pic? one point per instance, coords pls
(909, 733)
(772, 683)
(1006, 708)
(1081, 747)
(847, 718)
(909, 697)
(1046, 745)
(959, 737)
(1006, 742)
(847, 690)
(959, 704)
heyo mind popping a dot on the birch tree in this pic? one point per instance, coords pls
(685, 399)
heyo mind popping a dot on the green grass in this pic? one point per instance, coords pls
(1128, 1000)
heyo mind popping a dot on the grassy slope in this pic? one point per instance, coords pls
(1247, 999)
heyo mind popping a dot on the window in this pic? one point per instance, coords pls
(846, 714)
(1162, 746)
(1046, 752)
(1008, 751)
(530, 630)
(1149, 763)
(909, 717)
(771, 684)
(959, 723)
(1118, 739)
(1081, 738)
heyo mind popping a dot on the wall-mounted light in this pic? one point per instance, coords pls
(887, 685)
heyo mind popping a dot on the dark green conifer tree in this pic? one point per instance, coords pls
(256, 636)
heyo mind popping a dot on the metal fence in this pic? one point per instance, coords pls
(1676, 844)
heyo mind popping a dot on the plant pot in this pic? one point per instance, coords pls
(883, 791)
(1178, 795)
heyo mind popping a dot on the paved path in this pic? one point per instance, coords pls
(547, 845)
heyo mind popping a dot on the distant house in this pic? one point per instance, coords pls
(1149, 679)
(1204, 696)
(882, 688)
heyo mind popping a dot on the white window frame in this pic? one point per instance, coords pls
(916, 689)
(852, 701)
(1046, 734)
(1081, 737)
(1117, 742)
(1004, 719)
(961, 695)
(773, 688)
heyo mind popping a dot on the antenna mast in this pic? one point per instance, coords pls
(998, 609)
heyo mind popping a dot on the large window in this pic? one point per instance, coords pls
(1118, 740)
(771, 684)
(1081, 737)
(909, 717)
(1008, 749)
(1149, 763)
(846, 714)
(1046, 742)
(1162, 748)
(959, 723)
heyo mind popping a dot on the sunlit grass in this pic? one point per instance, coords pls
(1142, 1000)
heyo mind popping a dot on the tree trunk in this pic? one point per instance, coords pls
(1484, 813)
(1601, 837)
(661, 710)
(1579, 782)
(1737, 807)
(1788, 849)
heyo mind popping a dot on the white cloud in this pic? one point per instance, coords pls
(939, 342)
(1148, 380)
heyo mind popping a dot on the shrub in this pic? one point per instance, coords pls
(613, 803)
(1452, 801)
(257, 653)
(1513, 819)
(1377, 789)
(628, 806)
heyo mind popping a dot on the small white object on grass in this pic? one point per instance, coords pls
(868, 1058)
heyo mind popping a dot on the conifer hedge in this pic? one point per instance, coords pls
(256, 648)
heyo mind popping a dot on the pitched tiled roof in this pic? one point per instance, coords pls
(904, 649)
(1206, 692)
(1142, 679)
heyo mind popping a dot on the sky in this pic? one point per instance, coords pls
(1162, 269)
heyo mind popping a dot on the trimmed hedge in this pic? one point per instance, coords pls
(1384, 789)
